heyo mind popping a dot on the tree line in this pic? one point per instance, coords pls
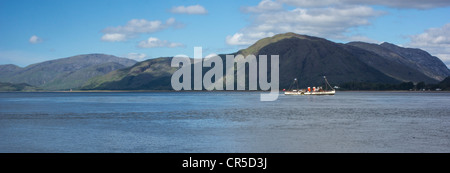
(443, 85)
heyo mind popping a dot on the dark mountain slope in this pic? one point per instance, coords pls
(430, 65)
(389, 62)
(149, 74)
(312, 58)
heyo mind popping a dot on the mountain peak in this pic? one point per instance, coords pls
(392, 46)
(9, 67)
(253, 49)
(291, 34)
(389, 45)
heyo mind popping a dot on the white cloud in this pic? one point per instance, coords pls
(155, 42)
(436, 41)
(136, 56)
(433, 36)
(35, 39)
(328, 22)
(237, 39)
(113, 37)
(193, 9)
(331, 19)
(170, 21)
(211, 55)
(415, 4)
(135, 27)
(310, 3)
(246, 37)
(263, 6)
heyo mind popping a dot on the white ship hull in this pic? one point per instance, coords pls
(311, 90)
(310, 93)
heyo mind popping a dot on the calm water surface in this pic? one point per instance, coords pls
(224, 122)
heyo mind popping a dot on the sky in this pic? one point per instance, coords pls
(33, 31)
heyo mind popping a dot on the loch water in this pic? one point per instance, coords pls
(211, 122)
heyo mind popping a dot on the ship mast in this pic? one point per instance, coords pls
(328, 84)
(292, 85)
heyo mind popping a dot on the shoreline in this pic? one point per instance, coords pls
(119, 91)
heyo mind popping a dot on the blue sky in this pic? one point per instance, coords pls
(33, 31)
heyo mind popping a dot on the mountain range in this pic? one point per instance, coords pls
(64, 73)
(304, 57)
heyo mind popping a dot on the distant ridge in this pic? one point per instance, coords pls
(152, 74)
(64, 73)
(417, 60)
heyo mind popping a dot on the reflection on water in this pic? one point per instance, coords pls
(224, 122)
